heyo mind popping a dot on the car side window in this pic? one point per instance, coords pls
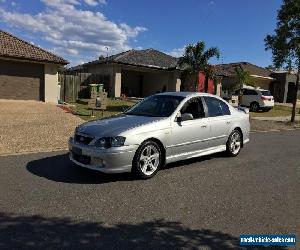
(194, 106)
(245, 92)
(216, 107)
(225, 108)
(249, 92)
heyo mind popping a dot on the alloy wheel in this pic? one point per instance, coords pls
(235, 142)
(149, 160)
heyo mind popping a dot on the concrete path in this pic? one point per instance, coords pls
(30, 126)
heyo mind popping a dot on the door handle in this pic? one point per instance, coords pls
(228, 122)
(204, 126)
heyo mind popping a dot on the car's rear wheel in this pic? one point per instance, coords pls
(147, 160)
(234, 143)
(254, 107)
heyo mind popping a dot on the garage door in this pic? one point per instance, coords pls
(21, 81)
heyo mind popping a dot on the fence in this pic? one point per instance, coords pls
(75, 86)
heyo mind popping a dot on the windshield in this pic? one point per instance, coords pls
(156, 106)
(266, 93)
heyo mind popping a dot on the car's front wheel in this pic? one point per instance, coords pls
(147, 160)
(234, 143)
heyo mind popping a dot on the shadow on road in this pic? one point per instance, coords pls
(60, 169)
(36, 232)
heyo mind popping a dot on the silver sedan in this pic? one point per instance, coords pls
(162, 128)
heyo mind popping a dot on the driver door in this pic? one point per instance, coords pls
(190, 135)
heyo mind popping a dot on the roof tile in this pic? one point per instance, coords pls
(13, 47)
(147, 57)
(229, 69)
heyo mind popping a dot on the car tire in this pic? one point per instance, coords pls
(254, 107)
(147, 160)
(234, 143)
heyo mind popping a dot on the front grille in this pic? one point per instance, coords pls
(83, 139)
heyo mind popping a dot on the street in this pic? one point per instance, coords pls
(206, 203)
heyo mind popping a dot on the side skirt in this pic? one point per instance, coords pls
(197, 153)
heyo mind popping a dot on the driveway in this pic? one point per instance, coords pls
(29, 126)
(205, 203)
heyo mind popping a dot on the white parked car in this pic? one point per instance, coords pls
(162, 128)
(257, 99)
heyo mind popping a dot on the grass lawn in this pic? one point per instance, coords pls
(114, 106)
(271, 125)
(276, 111)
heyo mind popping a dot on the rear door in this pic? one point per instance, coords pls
(219, 119)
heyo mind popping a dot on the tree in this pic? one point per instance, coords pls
(242, 77)
(271, 67)
(196, 59)
(285, 43)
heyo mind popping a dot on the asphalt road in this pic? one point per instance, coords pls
(206, 203)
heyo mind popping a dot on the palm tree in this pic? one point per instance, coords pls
(195, 59)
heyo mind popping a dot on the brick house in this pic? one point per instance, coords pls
(281, 84)
(137, 73)
(27, 72)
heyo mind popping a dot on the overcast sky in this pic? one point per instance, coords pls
(81, 30)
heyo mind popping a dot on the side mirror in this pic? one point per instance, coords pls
(186, 117)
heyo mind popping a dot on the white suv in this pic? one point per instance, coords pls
(257, 99)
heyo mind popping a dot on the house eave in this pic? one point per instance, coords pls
(132, 64)
(263, 77)
(25, 59)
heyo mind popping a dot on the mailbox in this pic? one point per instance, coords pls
(98, 103)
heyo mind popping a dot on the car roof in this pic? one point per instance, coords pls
(185, 94)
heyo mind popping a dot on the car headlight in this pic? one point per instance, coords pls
(108, 142)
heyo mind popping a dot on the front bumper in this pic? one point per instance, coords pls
(111, 160)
